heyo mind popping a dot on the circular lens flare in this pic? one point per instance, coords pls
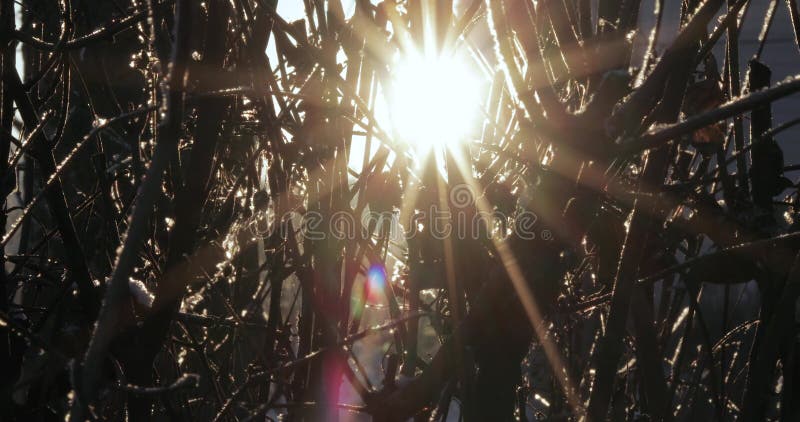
(434, 100)
(376, 280)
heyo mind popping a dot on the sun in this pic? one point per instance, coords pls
(434, 100)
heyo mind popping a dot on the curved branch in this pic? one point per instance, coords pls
(118, 291)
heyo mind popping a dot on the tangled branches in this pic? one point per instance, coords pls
(212, 211)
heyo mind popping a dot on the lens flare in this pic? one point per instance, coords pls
(434, 100)
(376, 283)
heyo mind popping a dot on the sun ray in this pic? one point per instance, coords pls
(526, 295)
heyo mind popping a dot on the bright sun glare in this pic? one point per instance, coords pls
(434, 101)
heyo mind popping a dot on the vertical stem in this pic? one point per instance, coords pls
(765, 171)
(9, 361)
(117, 292)
(795, 16)
(762, 369)
(734, 90)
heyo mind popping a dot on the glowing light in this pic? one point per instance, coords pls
(370, 292)
(434, 100)
(376, 281)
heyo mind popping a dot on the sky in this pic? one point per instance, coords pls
(292, 10)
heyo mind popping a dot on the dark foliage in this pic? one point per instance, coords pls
(166, 162)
